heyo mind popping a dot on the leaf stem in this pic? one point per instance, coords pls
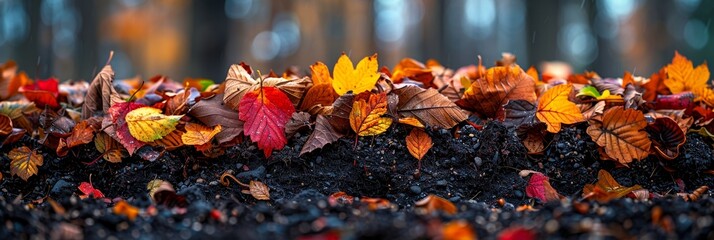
(226, 182)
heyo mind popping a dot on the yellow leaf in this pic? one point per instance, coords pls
(197, 134)
(682, 76)
(554, 108)
(147, 124)
(411, 121)
(24, 162)
(360, 79)
(320, 74)
(366, 117)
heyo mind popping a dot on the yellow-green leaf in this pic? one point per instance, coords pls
(147, 124)
(360, 79)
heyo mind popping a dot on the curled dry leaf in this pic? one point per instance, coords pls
(197, 134)
(621, 133)
(213, 112)
(555, 109)
(101, 94)
(409, 68)
(163, 193)
(606, 188)
(678, 115)
(366, 115)
(590, 110)
(24, 162)
(429, 106)
(667, 137)
(486, 96)
(355, 79)
(82, 133)
(182, 102)
(239, 82)
(17, 111)
(432, 203)
(265, 112)
(147, 124)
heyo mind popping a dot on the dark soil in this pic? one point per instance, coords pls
(472, 171)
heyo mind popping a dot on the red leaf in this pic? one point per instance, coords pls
(539, 187)
(42, 92)
(265, 112)
(683, 100)
(517, 233)
(118, 113)
(88, 189)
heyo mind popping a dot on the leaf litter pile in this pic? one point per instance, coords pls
(415, 151)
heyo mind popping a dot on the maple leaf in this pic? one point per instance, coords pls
(606, 188)
(24, 162)
(621, 133)
(197, 134)
(265, 112)
(487, 95)
(539, 187)
(555, 109)
(239, 82)
(682, 76)
(120, 131)
(147, 124)
(429, 107)
(348, 78)
(366, 117)
(433, 203)
(667, 137)
(88, 190)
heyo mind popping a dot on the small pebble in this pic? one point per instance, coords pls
(200, 180)
(213, 183)
(415, 189)
(478, 161)
(441, 183)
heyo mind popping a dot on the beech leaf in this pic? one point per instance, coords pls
(621, 133)
(429, 106)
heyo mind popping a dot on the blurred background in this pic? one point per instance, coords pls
(183, 38)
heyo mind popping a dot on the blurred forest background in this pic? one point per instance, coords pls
(183, 38)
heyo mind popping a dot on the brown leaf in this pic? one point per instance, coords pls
(14, 136)
(418, 143)
(678, 115)
(108, 147)
(321, 94)
(171, 141)
(239, 82)
(591, 110)
(323, 134)
(212, 112)
(429, 106)
(101, 94)
(622, 134)
(432, 203)
(610, 84)
(82, 133)
(533, 137)
(606, 188)
(655, 86)
(486, 96)
(259, 190)
(181, 102)
(298, 121)
(5, 125)
(10, 81)
(632, 97)
(25, 162)
(519, 112)
(667, 137)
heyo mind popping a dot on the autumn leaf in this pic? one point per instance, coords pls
(418, 143)
(486, 96)
(322, 135)
(18, 111)
(5, 125)
(682, 76)
(258, 190)
(429, 107)
(125, 209)
(24, 162)
(655, 86)
(411, 122)
(101, 94)
(348, 78)
(120, 129)
(213, 112)
(432, 203)
(667, 137)
(108, 147)
(320, 94)
(606, 188)
(533, 137)
(265, 112)
(366, 116)
(197, 134)
(42, 92)
(320, 74)
(539, 187)
(87, 189)
(555, 109)
(298, 121)
(621, 133)
(10, 80)
(458, 230)
(82, 133)
(591, 91)
(180, 103)
(239, 82)
(409, 68)
(171, 141)
(147, 124)
(519, 112)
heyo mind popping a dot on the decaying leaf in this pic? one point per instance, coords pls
(432, 203)
(621, 133)
(486, 96)
(667, 137)
(147, 124)
(606, 188)
(24, 162)
(429, 106)
(101, 94)
(366, 115)
(356, 79)
(197, 134)
(555, 109)
(265, 112)
(539, 187)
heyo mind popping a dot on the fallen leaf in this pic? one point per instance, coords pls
(18, 111)
(10, 81)
(682, 100)
(519, 112)
(24, 162)
(125, 209)
(82, 133)
(108, 147)
(655, 86)
(429, 106)
(621, 133)
(409, 68)
(14, 136)
(612, 85)
(265, 112)
(42, 92)
(120, 130)
(366, 116)
(533, 137)
(591, 91)
(411, 122)
(517, 233)
(374, 204)
(163, 193)
(458, 230)
(171, 141)
(89, 190)
(682, 76)
(356, 79)
(322, 135)
(555, 109)
(197, 134)
(677, 115)
(418, 143)
(5, 125)
(182, 102)
(259, 190)
(101, 94)
(539, 187)
(591, 110)
(606, 188)
(298, 121)
(667, 137)
(239, 82)
(432, 203)
(320, 94)
(201, 84)
(213, 112)
(633, 96)
(486, 96)
(320, 74)
(147, 124)
(340, 198)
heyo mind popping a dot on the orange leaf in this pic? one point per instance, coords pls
(411, 122)
(259, 190)
(458, 230)
(320, 74)
(621, 133)
(682, 76)
(433, 203)
(366, 117)
(265, 112)
(24, 162)
(655, 86)
(555, 109)
(197, 134)
(126, 209)
(487, 95)
(418, 143)
(5, 125)
(414, 70)
(322, 94)
(606, 188)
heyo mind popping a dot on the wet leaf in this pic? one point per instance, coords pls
(682, 76)
(432, 203)
(555, 109)
(621, 133)
(606, 188)
(366, 115)
(418, 143)
(322, 135)
(197, 134)
(539, 187)
(486, 96)
(667, 137)
(125, 209)
(24, 162)
(147, 124)
(429, 106)
(88, 190)
(356, 79)
(265, 112)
